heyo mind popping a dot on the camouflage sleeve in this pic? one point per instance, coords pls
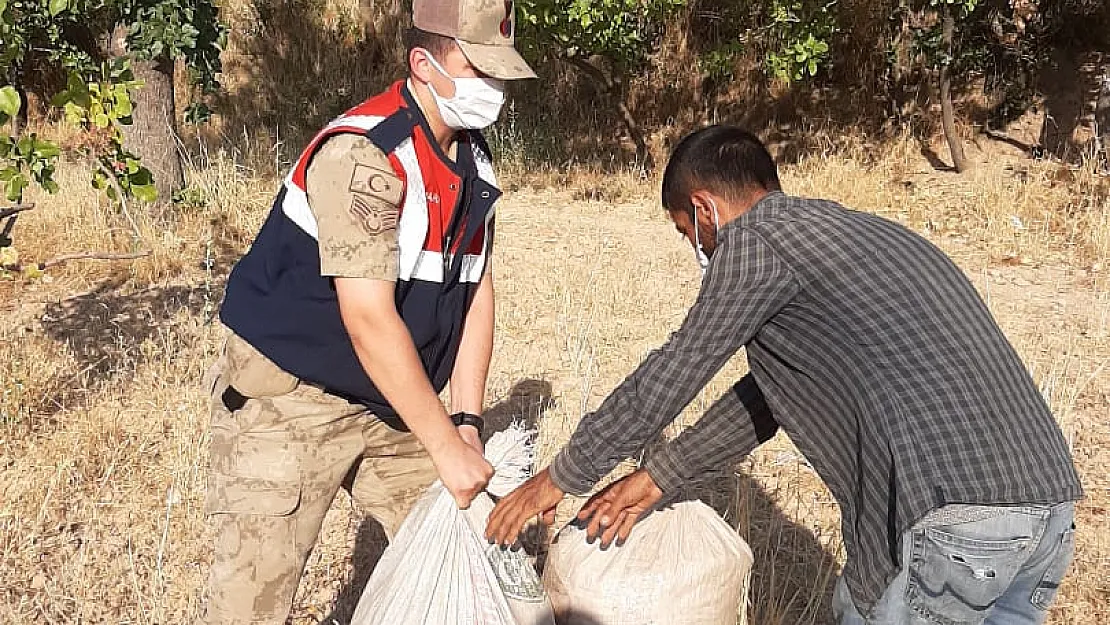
(356, 196)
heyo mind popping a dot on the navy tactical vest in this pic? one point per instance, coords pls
(278, 302)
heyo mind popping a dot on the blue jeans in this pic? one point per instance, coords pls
(968, 565)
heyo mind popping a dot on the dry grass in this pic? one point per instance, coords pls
(103, 426)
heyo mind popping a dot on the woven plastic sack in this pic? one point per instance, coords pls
(680, 566)
(440, 569)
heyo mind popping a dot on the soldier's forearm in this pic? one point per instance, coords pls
(468, 380)
(385, 348)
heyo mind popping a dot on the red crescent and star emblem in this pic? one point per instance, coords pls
(507, 23)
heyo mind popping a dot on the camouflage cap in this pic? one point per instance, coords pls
(484, 29)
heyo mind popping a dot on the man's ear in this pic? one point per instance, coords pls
(703, 203)
(419, 66)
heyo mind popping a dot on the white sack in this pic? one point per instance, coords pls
(680, 566)
(439, 568)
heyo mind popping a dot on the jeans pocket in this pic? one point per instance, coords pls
(1054, 574)
(956, 579)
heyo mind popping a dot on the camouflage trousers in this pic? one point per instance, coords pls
(277, 463)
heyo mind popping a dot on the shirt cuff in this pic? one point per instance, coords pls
(666, 471)
(732, 428)
(572, 472)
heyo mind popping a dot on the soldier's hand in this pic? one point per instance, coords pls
(463, 470)
(469, 433)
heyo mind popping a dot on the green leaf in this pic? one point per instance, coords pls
(57, 6)
(141, 177)
(123, 105)
(145, 192)
(76, 93)
(50, 186)
(10, 102)
(47, 150)
(74, 114)
(16, 186)
(197, 113)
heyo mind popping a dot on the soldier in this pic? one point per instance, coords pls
(367, 290)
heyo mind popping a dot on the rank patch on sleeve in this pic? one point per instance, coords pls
(373, 215)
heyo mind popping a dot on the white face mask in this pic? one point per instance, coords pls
(476, 104)
(699, 251)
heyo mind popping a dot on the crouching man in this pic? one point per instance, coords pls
(367, 290)
(875, 354)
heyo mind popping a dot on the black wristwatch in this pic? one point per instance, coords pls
(466, 418)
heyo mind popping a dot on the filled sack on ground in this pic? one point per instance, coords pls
(440, 569)
(682, 565)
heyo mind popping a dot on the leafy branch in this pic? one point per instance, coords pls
(605, 40)
(98, 94)
(799, 34)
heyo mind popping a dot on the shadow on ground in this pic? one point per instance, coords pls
(526, 403)
(794, 573)
(112, 334)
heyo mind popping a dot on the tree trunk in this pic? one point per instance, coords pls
(1100, 117)
(948, 115)
(19, 122)
(904, 105)
(152, 135)
(613, 92)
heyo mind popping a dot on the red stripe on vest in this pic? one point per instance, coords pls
(382, 105)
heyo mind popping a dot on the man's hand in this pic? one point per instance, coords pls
(537, 495)
(617, 508)
(469, 434)
(462, 469)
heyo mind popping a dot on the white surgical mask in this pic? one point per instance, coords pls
(699, 251)
(476, 104)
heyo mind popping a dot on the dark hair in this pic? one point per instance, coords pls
(725, 160)
(438, 45)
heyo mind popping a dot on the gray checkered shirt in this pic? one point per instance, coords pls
(874, 353)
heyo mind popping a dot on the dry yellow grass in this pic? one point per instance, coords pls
(103, 427)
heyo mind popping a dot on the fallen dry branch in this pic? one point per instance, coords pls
(15, 209)
(65, 258)
(8, 215)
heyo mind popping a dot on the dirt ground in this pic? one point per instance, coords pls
(103, 443)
